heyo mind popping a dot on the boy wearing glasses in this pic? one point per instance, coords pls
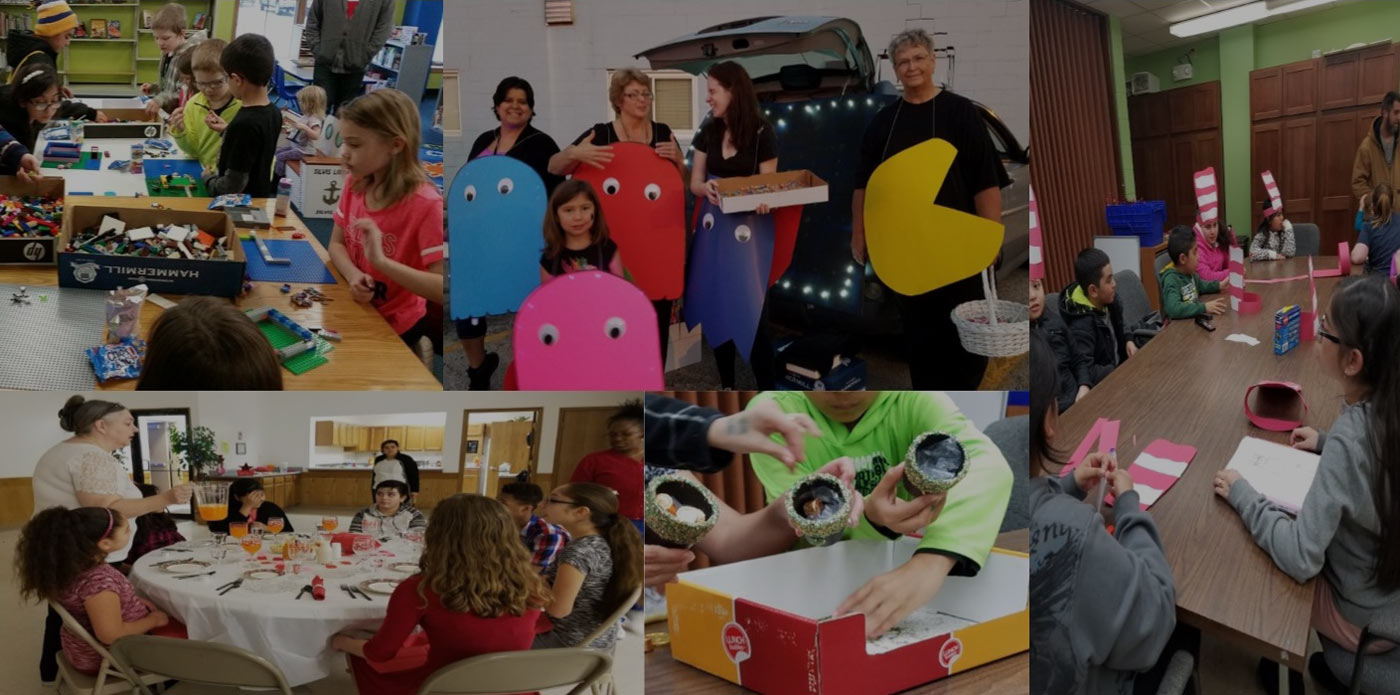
(198, 126)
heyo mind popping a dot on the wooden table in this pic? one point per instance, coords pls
(1008, 675)
(371, 356)
(1187, 386)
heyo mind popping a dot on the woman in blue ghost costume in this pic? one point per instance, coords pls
(496, 207)
(730, 259)
(513, 104)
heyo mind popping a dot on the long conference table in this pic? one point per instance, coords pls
(1187, 386)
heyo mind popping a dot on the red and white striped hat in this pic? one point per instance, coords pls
(1271, 187)
(1207, 197)
(1037, 256)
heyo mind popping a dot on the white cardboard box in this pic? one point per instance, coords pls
(812, 190)
(317, 184)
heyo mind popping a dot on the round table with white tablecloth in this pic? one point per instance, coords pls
(267, 619)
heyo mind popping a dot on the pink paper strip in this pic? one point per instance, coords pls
(1037, 257)
(1270, 423)
(1271, 281)
(1162, 448)
(1150, 478)
(1084, 445)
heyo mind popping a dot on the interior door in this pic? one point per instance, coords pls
(582, 431)
(510, 450)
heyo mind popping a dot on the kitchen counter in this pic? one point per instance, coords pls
(232, 475)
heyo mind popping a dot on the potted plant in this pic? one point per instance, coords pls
(198, 450)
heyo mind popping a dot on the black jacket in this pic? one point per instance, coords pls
(19, 43)
(1096, 334)
(533, 147)
(677, 435)
(1066, 359)
(410, 470)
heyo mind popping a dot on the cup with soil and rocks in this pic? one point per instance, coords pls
(678, 511)
(819, 506)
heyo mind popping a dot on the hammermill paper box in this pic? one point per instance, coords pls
(765, 624)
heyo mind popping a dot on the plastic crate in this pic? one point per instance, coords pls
(1143, 219)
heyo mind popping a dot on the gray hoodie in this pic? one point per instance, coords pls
(1102, 607)
(1337, 530)
(348, 45)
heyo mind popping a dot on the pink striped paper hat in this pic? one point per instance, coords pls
(1037, 257)
(1271, 186)
(1207, 197)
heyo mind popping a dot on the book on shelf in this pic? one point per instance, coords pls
(97, 28)
(200, 18)
(114, 29)
(146, 19)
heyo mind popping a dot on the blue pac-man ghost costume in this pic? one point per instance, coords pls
(495, 212)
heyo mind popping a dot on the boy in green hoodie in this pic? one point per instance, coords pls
(198, 126)
(1181, 289)
(875, 429)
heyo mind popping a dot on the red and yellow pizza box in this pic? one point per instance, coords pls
(765, 624)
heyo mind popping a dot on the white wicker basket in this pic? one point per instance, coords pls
(993, 327)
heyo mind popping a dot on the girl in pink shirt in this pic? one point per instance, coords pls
(387, 240)
(60, 558)
(1213, 249)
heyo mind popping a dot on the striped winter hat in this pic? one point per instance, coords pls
(55, 18)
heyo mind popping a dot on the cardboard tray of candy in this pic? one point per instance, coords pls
(125, 124)
(172, 251)
(776, 190)
(31, 220)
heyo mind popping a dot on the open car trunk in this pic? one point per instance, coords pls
(788, 58)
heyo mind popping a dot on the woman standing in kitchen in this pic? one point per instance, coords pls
(392, 464)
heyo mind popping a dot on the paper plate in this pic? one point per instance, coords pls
(380, 585)
(406, 567)
(262, 574)
(184, 566)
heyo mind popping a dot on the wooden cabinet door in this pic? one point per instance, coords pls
(1376, 74)
(432, 439)
(582, 431)
(1300, 88)
(1266, 154)
(292, 494)
(350, 491)
(377, 436)
(1159, 115)
(509, 442)
(1194, 108)
(396, 434)
(325, 433)
(1182, 208)
(413, 438)
(1339, 85)
(1337, 141)
(365, 436)
(1152, 168)
(1266, 93)
(1297, 175)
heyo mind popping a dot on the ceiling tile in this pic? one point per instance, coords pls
(1142, 23)
(1117, 8)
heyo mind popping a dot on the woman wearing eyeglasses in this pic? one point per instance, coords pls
(26, 104)
(926, 111)
(630, 94)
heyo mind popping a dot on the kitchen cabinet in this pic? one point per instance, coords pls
(433, 438)
(325, 433)
(396, 433)
(413, 438)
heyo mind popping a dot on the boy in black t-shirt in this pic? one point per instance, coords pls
(250, 141)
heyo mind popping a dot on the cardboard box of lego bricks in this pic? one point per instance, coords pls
(36, 246)
(164, 275)
(766, 624)
(776, 190)
(126, 124)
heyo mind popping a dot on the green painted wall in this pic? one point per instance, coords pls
(1295, 39)
(1205, 63)
(1120, 107)
(223, 19)
(1236, 54)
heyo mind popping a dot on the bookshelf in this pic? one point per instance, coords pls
(106, 67)
(401, 64)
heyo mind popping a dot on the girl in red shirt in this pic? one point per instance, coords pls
(387, 240)
(477, 593)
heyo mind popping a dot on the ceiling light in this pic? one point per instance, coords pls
(1244, 14)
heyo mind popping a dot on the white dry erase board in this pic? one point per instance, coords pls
(981, 407)
(1124, 252)
(1280, 473)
